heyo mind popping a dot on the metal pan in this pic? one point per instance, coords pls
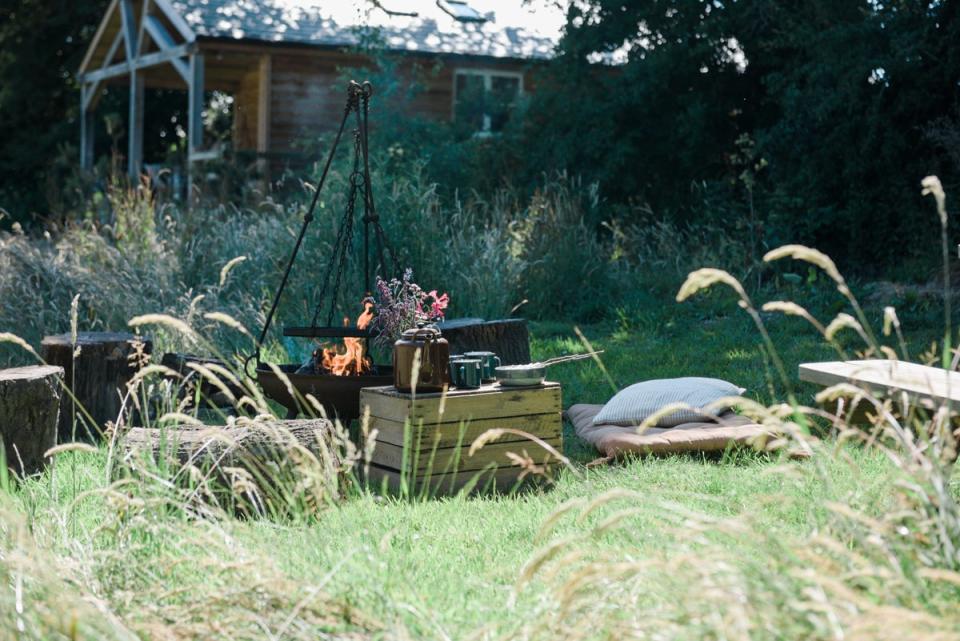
(532, 374)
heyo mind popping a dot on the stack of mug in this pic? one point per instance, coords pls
(471, 370)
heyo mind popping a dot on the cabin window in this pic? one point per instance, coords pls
(483, 100)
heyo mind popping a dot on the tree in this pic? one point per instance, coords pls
(836, 96)
(42, 43)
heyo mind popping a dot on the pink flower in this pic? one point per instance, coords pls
(439, 303)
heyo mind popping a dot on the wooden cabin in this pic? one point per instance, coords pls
(282, 61)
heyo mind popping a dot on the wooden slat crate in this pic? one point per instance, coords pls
(426, 438)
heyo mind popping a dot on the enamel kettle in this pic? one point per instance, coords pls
(434, 373)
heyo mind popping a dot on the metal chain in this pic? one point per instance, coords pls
(370, 211)
(346, 224)
(355, 178)
(358, 102)
(351, 105)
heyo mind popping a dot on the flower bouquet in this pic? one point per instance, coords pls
(401, 304)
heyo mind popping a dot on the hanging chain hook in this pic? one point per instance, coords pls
(354, 92)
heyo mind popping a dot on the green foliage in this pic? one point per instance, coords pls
(41, 46)
(834, 96)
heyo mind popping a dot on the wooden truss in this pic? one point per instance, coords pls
(133, 37)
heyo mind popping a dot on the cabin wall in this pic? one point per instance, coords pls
(246, 112)
(308, 96)
(309, 90)
(302, 90)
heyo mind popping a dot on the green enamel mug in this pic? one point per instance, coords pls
(465, 373)
(489, 362)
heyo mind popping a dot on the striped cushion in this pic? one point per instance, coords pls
(636, 403)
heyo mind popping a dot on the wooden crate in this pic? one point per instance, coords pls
(426, 438)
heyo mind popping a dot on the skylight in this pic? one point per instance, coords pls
(461, 11)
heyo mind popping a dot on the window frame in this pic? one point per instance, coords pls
(487, 73)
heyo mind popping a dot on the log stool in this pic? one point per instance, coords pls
(29, 403)
(508, 338)
(97, 376)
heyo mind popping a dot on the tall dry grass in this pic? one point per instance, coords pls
(147, 547)
(147, 256)
(890, 576)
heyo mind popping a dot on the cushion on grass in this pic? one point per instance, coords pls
(728, 430)
(633, 405)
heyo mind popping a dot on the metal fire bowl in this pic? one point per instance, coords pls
(339, 395)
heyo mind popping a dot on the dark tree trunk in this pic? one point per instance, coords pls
(508, 338)
(29, 403)
(97, 376)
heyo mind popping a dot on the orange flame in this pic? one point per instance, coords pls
(352, 361)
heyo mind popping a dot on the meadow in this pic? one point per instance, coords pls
(859, 540)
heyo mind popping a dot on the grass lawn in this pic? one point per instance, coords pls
(448, 568)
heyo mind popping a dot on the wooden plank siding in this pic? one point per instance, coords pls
(307, 92)
(246, 110)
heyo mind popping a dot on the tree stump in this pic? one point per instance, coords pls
(29, 403)
(98, 376)
(252, 468)
(508, 338)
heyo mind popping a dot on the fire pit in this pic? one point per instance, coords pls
(338, 372)
(339, 395)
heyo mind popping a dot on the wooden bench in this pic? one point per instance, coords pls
(928, 387)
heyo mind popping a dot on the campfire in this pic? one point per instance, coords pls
(351, 361)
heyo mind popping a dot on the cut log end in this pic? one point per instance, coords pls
(97, 375)
(29, 408)
(508, 338)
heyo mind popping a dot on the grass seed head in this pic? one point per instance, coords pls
(932, 187)
(806, 254)
(705, 279)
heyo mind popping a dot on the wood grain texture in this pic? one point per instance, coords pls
(253, 468)
(430, 460)
(930, 386)
(509, 338)
(252, 446)
(490, 401)
(97, 376)
(450, 434)
(502, 480)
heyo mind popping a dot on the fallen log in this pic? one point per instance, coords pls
(253, 468)
(29, 404)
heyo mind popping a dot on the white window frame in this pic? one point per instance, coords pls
(487, 75)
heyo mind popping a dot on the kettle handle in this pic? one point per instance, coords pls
(426, 368)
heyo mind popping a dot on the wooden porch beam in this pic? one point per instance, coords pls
(195, 104)
(129, 28)
(86, 127)
(144, 12)
(176, 20)
(101, 29)
(163, 39)
(194, 119)
(135, 131)
(148, 60)
(92, 96)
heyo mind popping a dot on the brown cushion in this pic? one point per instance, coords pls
(614, 440)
